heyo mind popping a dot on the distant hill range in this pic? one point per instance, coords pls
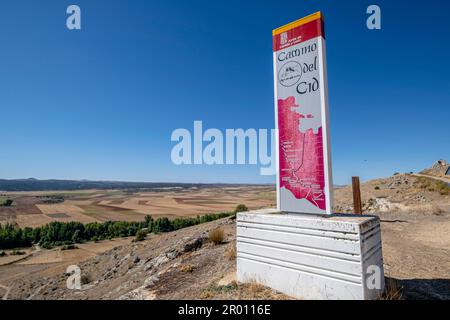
(50, 185)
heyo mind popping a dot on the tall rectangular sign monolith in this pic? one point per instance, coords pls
(304, 182)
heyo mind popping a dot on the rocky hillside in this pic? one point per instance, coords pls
(176, 265)
(414, 210)
(398, 193)
(439, 169)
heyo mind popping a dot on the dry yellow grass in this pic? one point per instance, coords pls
(231, 252)
(233, 290)
(434, 185)
(393, 291)
(187, 268)
(216, 236)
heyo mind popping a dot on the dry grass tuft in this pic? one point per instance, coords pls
(140, 235)
(256, 288)
(393, 291)
(214, 290)
(240, 208)
(187, 268)
(436, 210)
(244, 291)
(434, 185)
(86, 279)
(216, 236)
(231, 252)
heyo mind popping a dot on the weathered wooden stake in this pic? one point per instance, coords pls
(357, 205)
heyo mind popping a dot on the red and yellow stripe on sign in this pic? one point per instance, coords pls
(298, 31)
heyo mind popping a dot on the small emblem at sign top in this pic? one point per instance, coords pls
(283, 38)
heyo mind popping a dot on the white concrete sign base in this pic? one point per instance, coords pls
(311, 257)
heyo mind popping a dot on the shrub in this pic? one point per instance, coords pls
(52, 199)
(7, 203)
(240, 208)
(214, 289)
(46, 245)
(187, 268)
(140, 235)
(85, 279)
(3, 254)
(216, 236)
(69, 247)
(17, 253)
(149, 222)
(162, 225)
(76, 238)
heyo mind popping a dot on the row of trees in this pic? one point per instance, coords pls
(64, 233)
(6, 203)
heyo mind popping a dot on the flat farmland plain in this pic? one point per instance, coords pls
(32, 209)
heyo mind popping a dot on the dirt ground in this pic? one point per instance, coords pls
(414, 213)
(185, 265)
(399, 193)
(415, 223)
(174, 265)
(416, 251)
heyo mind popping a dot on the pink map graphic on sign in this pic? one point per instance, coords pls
(301, 155)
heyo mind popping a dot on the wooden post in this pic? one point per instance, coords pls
(357, 205)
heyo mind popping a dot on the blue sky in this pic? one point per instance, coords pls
(102, 102)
